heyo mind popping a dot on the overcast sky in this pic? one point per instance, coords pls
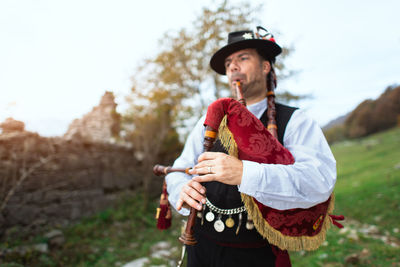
(57, 58)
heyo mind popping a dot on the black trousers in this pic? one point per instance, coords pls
(207, 253)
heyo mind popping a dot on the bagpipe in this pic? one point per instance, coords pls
(245, 137)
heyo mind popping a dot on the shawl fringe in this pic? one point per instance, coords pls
(275, 237)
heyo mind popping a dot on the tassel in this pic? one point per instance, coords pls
(164, 215)
(282, 258)
(336, 218)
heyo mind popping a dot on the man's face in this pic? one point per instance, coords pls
(247, 67)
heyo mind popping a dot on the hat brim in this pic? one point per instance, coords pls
(268, 49)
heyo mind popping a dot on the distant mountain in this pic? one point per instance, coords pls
(370, 116)
(338, 121)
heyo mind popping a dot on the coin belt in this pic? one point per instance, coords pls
(225, 211)
(219, 226)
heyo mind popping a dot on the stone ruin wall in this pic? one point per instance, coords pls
(101, 124)
(67, 177)
(76, 179)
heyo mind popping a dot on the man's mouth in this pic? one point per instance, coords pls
(238, 77)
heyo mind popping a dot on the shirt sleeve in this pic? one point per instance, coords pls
(188, 158)
(309, 181)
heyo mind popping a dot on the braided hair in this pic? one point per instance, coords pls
(271, 111)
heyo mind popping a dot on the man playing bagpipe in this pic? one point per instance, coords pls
(255, 198)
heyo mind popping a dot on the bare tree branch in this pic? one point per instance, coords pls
(25, 174)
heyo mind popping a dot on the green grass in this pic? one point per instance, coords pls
(110, 238)
(368, 185)
(367, 192)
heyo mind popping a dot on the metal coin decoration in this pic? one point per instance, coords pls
(229, 222)
(210, 216)
(239, 223)
(249, 225)
(219, 225)
(202, 213)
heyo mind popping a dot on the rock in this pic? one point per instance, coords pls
(344, 230)
(365, 253)
(352, 259)
(55, 238)
(162, 245)
(370, 229)
(161, 249)
(42, 248)
(161, 254)
(323, 256)
(137, 263)
(53, 233)
(24, 250)
(353, 235)
(10, 125)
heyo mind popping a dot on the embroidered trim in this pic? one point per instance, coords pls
(293, 243)
(284, 242)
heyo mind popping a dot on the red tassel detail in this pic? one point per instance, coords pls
(336, 218)
(164, 215)
(164, 218)
(282, 258)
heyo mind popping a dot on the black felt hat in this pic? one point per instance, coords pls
(261, 40)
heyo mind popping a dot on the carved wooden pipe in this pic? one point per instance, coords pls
(161, 170)
(187, 236)
(239, 93)
(209, 138)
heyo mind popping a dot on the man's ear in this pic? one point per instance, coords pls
(266, 67)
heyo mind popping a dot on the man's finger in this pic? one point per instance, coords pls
(193, 194)
(203, 170)
(208, 156)
(205, 178)
(191, 202)
(204, 163)
(196, 185)
(179, 204)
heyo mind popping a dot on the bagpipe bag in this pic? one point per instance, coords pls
(245, 137)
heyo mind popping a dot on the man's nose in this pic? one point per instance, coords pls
(234, 66)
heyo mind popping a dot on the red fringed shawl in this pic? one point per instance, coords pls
(244, 136)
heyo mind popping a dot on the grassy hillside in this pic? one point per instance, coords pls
(367, 193)
(368, 186)
(110, 238)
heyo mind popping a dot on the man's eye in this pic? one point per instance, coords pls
(244, 58)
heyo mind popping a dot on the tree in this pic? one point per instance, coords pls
(148, 125)
(177, 83)
(372, 116)
(182, 65)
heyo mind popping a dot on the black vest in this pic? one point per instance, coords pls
(228, 197)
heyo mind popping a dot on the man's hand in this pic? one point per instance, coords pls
(218, 167)
(192, 195)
